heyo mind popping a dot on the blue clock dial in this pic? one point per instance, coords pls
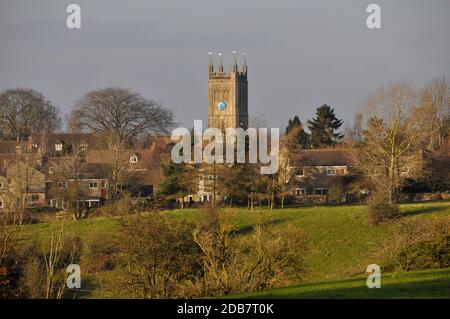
(221, 106)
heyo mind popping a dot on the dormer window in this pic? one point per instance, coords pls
(133, 159)
(300, 173)
(84, 146)
(58, 147)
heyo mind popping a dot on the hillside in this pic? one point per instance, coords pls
(342, 243)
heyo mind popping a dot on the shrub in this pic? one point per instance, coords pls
(234, 264)
(160, 256)
(44, 271)
(418, 244)
(445, 195)
(99, 255)
(379, 212)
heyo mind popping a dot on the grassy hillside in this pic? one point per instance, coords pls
(342, 243)
(415, 284)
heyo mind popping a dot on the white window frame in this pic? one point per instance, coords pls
(90, 202)
(321, 191)
(58, 147)
(93, 182)
(331, 169)
(1, 185)
(301, 192)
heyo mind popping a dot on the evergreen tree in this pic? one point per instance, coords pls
(302, 138)
(324, 126)
(179, 180)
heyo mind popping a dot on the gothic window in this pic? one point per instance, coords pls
(133, 159)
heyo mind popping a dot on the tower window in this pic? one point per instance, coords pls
(133, 159)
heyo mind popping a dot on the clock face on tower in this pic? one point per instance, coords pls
(221, 106)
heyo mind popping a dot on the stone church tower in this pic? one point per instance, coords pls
(227, 97)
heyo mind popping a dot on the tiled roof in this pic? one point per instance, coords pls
(324, 157)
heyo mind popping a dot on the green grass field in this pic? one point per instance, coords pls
(433, 284)
(342, 245)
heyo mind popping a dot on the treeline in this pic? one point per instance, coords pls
(122, 112)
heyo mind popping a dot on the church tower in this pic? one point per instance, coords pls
(227, 96)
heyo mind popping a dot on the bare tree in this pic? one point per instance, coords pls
(353, 135)
(264, 260)
(122, 111)
(45, 275)
(393, 138)
(435, 103)
(24, 112)
(289, 156)
(67, 174)
(23, 178)
(8, 235)
(118, 159)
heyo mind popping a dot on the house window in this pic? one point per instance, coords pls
(1, 204)
(58, 146)
(93, 184)
(321, 191)
(103, 184)
(83, 146)
(300, 173)
(300, 191)
(92, 203)
(34, 198)
(133, 159)
(331, 171)
(61, 185)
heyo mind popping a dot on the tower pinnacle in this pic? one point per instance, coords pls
(244, 67)
(220, 65)
(235, 66)
(211, 66)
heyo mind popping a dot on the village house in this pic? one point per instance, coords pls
(319, 171)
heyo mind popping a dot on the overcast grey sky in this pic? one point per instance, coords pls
(301, 54)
